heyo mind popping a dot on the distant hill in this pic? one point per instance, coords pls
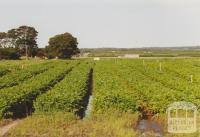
(191, 51)
(143, 48)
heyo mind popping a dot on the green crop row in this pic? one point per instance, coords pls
(134, 85)
(174, 79)
(7, 68)
(11, 66)
(69, 95)
(3, 71)
(177, 68)
(110, 91)
(14, 99)
(16, 77)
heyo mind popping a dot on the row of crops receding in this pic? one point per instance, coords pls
(17, 100)
(70, 95)
(145, 86)
(16, 77)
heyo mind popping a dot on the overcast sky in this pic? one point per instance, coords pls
(108, 23)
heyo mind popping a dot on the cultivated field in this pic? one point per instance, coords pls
(50, 98)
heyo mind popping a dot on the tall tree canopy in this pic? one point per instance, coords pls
(5, 41)
(62, 46)
(22, 37)
(15, 42)
(2, 35)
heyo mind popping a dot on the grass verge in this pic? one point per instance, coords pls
(69, 125)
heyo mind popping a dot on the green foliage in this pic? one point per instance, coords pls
(110, 91)
(9, 53)
(15, 98)
(69, 94)
(62, 46)
(2, 35)
(3, 71)
(16, 77)
(131, 85)
(24, 36)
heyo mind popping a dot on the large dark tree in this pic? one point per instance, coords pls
(24, 37)
(9, 53)
(62, 46)
(7, 48)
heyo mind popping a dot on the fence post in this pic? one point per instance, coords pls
(191, 78)
(160, 66)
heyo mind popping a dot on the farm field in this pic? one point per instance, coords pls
(51, 97)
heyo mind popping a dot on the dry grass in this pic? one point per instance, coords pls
(68, 125)
(5, 122)
(99, 125)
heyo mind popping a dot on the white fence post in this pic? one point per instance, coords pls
(191, 78)
(160, 66)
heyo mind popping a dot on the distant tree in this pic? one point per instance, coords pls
(41, 53)
(9, 53)
(2, 35)
(62, 46)
(6, 42)
(22, 37)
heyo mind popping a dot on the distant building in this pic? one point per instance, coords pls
(131, 56)
(96, 58)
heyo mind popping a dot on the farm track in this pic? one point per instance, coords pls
(5, 129)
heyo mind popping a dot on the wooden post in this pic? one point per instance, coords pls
(191, 78)
(22, 66)
(160, 66)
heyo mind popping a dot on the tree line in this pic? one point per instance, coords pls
(22, 41)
